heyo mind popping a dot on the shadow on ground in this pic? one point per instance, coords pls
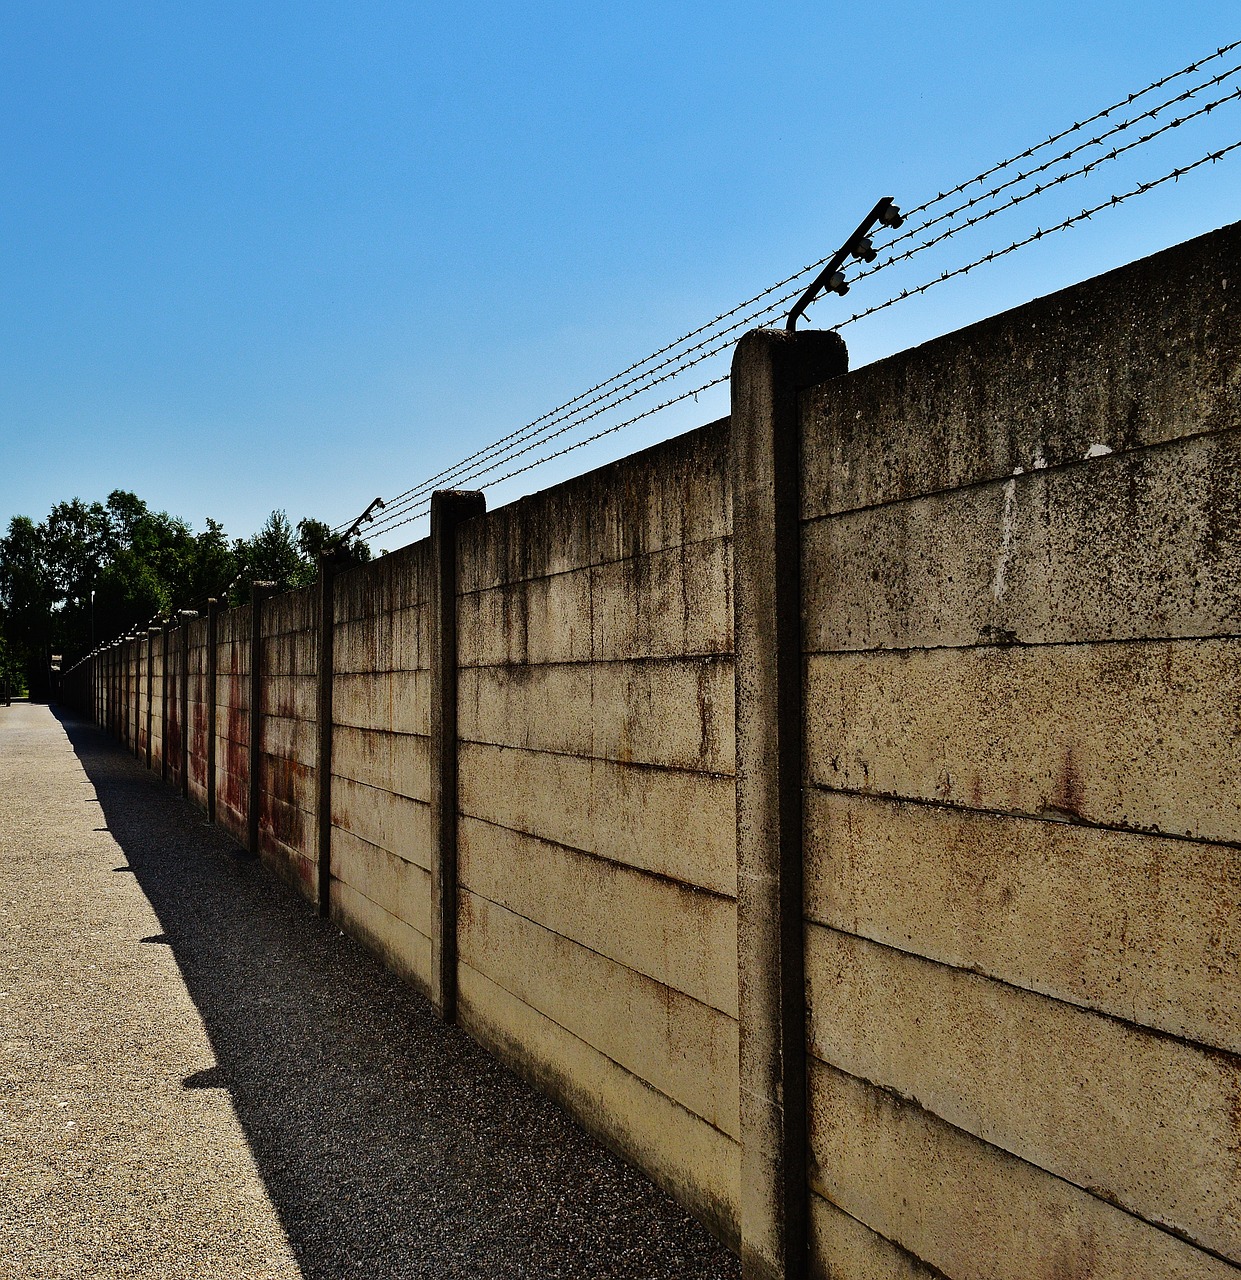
(390, 1144)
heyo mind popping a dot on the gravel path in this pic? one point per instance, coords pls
(198, 1077)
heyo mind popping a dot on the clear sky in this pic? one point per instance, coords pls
(294, 255)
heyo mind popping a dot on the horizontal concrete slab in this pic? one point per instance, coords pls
(843, 1248)
(395, 823)
(399, 702)
(398, 762)
(686, 1050)
(1128, 546)
(681, 937)
(1146, 1121)
(674, 823)
(401, 888)
(968, 1209)
(677, 713)
(402, 948)
(1142, 927)
(1130, 735)
(689, 1158)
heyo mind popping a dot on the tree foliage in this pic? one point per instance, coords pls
(93, 571)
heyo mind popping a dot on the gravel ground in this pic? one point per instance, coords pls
(198, 1077)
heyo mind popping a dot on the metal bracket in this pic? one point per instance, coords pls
(859, 246)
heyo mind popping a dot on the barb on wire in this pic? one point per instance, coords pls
(577, 444)
(1126, 101)
(1142, 188)
(1024, 175)
(644, 375)
(1021, 197)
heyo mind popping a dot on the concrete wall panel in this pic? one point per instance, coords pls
(1145, 1121)
(693, 1160)
(1142, 736)
(1139, 927)
(680, 936)
(969, 1210)
(675, 823)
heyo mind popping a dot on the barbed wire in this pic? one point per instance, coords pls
(577, 444)
(1039, 234)
(974, 201)
(1126, 101)
(455, 472)
(721, 342)
(1142, 188)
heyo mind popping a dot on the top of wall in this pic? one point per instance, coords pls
(674, 493)
(1147, 353)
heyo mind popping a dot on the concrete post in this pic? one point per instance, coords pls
(449, 509)
(185, 707)
(213, 622)
(259, 592)
(323, 757)
(770, 368)
(163, 705)
(151, 632)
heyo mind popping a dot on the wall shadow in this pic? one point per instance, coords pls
(390, 1144)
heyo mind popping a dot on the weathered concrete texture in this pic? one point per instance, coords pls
(232, 726)
(288, 822)
(381, 850)
(1143, 929)
(966, 1209)
(202, 1078)
(1144, 355)
(596, 858)
(1022, 893)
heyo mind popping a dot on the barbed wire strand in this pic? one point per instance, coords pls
(959, 189)
(615, 399)
(1141, 189)
(1112, 202)
(1126, 101)
(538, 462)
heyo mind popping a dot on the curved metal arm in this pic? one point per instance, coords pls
(857, 245)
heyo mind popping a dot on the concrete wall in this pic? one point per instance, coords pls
(232, 722)
(287, 823)
(1021, 611)
(381, 821)
(1011, 870)
(596, 837)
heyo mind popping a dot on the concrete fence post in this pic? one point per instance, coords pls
(213, 623)
(449, 509)
(185, 706)
(163, 704)
(770, 368)
(325, 672)
(259, 592)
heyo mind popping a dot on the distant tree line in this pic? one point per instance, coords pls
(93, 571)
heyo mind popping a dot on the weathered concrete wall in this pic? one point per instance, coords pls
(381, 823)
(1022, 603)
(197, 727)
(232, 750)
(157, 704)
(597, 902)
(1018, 677)
(287, 825)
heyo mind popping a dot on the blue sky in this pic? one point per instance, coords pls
(277, 255)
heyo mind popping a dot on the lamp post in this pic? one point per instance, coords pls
(92, 618)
